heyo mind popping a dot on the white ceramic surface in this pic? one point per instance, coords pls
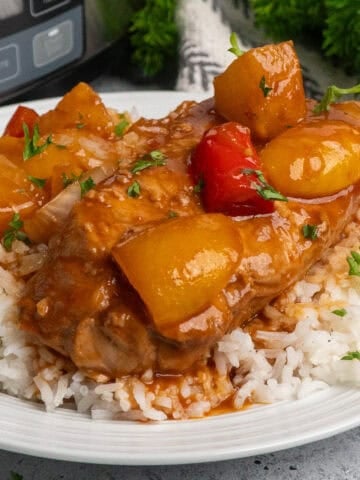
(26, 428)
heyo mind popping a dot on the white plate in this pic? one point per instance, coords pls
(66, 435)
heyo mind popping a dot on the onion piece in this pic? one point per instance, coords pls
(50, 218)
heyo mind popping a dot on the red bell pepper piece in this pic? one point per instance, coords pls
(21, 115)
(226, 168)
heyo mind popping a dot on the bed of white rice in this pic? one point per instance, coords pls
(271, 366)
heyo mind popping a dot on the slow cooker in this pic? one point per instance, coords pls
(41, 40)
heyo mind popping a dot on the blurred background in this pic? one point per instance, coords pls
(47, 46)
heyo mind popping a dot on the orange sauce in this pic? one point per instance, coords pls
(227, 406)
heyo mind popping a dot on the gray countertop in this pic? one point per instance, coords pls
(335, 458)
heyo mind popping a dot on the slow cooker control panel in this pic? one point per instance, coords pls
(38, 37)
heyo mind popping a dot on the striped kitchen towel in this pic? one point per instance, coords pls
(205, 27)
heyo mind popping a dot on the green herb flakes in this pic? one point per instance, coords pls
(16, 223)
(86, 185)
(80, 124)
(310, 231)
(332, 94)
(235, 49)
(265, 89)
(14, 232)
(354, 264)
(134, 190)
(266, 191)
(121, 126)
(152, 159)
(69, 180)
(31, 146)
(172, 214)
(199, 187)
(351, 356)
(340, 312)
(39, 182)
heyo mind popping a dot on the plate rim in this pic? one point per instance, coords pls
(153, 430)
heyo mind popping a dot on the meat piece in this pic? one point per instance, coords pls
(83, 306)
(278, 254)
(74, 300)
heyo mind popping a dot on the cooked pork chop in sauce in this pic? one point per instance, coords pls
(142, 276)
(81, 303)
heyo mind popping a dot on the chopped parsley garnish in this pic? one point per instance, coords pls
(265, 89)
(134, 190)
(332, 94)
(199, 187)
(80, 124)
(39, 182)
(172, 214)
(158, 156)
(86, 185)
(31, 146)
(235, 49)
(266, 191)
(351, 356)
(121, 126)
(16, 223)
(69, 180)
(14, 232)
(340, 312)
(310, 231)
(152, 159)
(354, 263)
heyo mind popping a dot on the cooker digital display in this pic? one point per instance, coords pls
(38, 37)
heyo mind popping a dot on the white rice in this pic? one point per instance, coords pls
(271, 366)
